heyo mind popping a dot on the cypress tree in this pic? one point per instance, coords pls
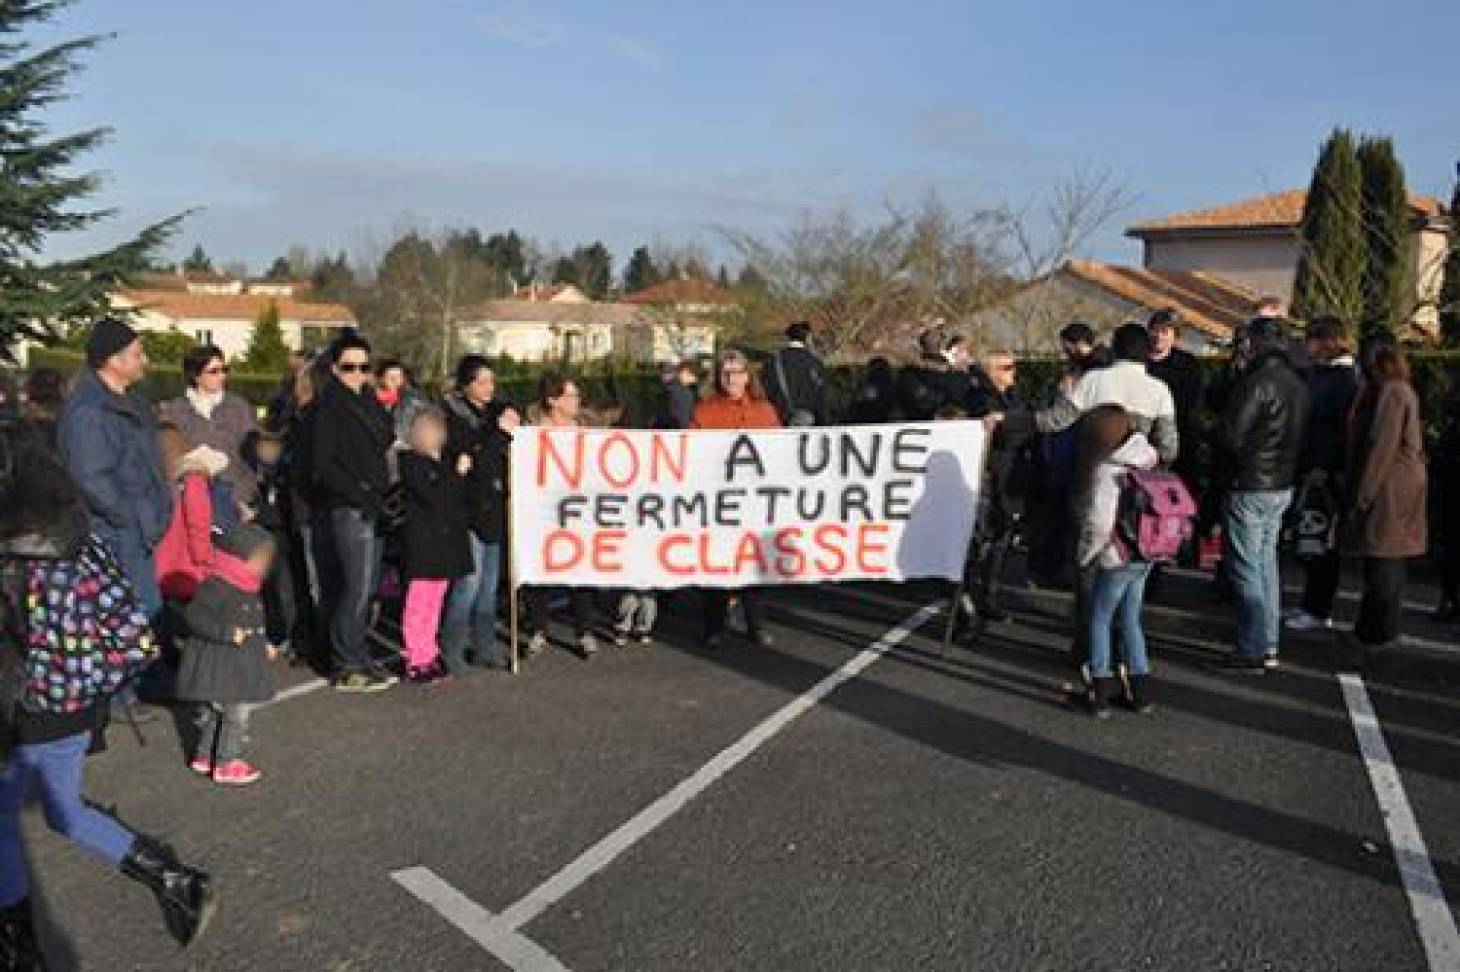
(267, 353)
(1388, 298)
(641, 272)
(40, 191)
(1450, 292)
(1331, 266)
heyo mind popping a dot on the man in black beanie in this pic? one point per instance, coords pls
(108, 441)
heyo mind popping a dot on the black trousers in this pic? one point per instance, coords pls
(1382, 606)
(539, 610)
(717, 603)
(984, 574)
(1321, 584)
(281, 594)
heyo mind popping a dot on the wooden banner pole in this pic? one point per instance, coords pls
(512, 604)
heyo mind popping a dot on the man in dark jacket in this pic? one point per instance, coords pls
(795, 379)
(108, 441)
(351, 435)
(1182, 374)
(1008, 468)
(478, 426)
(1262, 431)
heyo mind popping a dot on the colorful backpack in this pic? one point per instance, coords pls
(84, 632)
(1155, 517)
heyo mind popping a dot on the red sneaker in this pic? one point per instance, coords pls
(236, 773)
(201, 765)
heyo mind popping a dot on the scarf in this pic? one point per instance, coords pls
(204, 402)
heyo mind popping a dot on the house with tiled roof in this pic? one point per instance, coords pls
(1256, 243)
(684, 316)
(547, 330)
(1105, 295)
(559, 293)
(223, 312)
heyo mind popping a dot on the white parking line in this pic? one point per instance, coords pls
(500, 934)
(1432, 915)
(294, 691)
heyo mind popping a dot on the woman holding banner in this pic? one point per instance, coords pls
(559, 402)
(738, 402)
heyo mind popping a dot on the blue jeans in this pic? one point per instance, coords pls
(471, 611)
(1116, 595)
(1254, 518)
(357, 551)
(136, 562)
(56, 766)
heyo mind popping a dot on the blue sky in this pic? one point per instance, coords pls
(335, 122)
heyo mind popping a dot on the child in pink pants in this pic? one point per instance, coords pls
(436, 544)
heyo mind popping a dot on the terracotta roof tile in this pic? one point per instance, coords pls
(1211, 305)
(1279, 210)
(686, 291)
(186, 306)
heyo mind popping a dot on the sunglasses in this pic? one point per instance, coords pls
(347, 368)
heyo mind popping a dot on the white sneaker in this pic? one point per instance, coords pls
(1301, 620)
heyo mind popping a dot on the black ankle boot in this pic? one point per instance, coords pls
(19, 950)
(1098, 696)
(1135, 692)
(185, 894)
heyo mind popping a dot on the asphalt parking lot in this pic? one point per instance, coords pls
(668, 809)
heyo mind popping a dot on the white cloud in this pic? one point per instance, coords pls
(520, 28)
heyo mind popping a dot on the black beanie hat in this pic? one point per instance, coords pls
(244, 540)
(108, 336)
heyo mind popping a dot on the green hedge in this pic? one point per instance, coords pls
(164, 380)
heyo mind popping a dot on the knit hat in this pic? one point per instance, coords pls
(244, 540)
(108, 336)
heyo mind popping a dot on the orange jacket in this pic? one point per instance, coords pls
(723, 412)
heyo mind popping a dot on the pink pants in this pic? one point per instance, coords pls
(420, 619)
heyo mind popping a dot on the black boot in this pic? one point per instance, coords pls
(1134, 692)
(19, 950)
(185, 894)
(1098, 696)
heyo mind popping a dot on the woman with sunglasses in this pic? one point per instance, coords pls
(207, 414)
(559, 406)
(738, 402)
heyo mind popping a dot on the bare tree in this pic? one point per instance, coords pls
(423, 283)
(871, 285)
(1044, 234)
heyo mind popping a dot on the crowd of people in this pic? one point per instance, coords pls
(178, 550)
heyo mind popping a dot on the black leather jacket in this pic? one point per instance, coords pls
(1263, 424)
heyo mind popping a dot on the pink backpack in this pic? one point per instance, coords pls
(1154, 519)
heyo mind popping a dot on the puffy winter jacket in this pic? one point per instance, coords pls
(1262, 427)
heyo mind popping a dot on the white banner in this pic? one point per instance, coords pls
(659, 509)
